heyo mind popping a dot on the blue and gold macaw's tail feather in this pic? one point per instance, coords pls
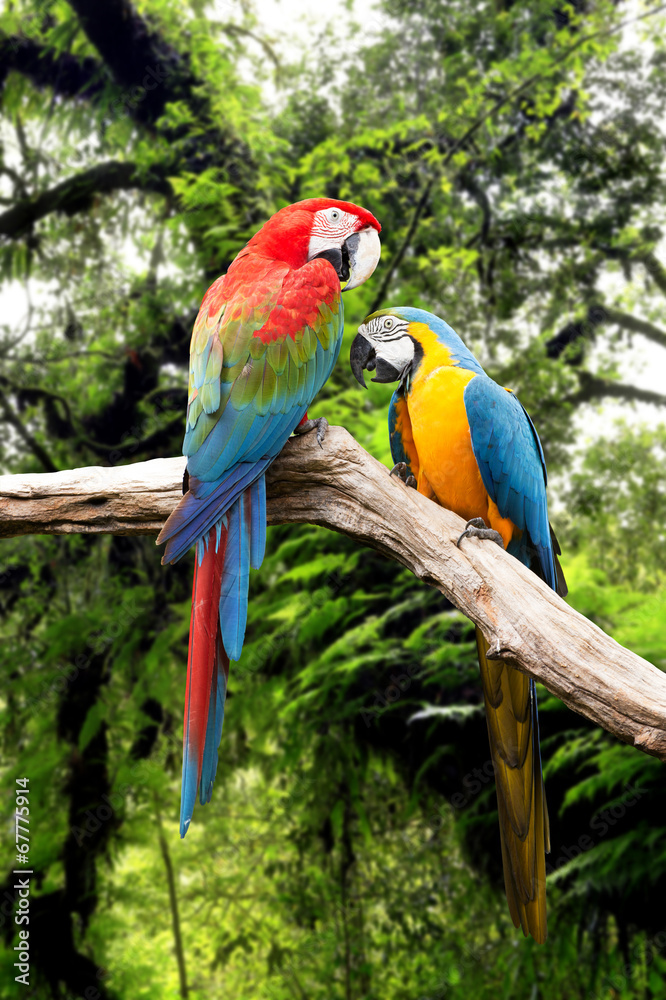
(235, 542)
(513, 732)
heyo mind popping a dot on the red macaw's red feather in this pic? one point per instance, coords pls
(299, 302)
(204, 652)
(280, 246)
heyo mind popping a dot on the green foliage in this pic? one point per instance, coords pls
(511, 152)
(617, 502)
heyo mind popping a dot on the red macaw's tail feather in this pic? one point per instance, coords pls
(207, 672)
(217, 631)
(513, 731)
(218, 694)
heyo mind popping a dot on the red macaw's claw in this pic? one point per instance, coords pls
(320, 425)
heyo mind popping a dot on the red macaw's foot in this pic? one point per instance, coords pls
(477, 528)
(306, 425)
(401, 470)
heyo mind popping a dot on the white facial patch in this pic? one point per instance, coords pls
(390, 339)
(330, 228)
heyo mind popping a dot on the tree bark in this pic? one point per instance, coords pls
(137, 56)
(69, 75)
(343, 488)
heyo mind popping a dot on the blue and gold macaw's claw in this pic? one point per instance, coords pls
(476, 527)
(402, 472)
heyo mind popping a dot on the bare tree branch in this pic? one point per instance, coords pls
(35, 447)
(629, 322)
(343, 488)
(593, 387)
(76, 193)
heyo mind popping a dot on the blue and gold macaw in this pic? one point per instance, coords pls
(467, 443)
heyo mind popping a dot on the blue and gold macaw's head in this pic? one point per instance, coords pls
(395, 342)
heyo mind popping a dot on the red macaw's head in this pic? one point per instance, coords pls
(342, 233)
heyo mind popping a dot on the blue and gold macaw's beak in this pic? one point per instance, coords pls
(384, 345)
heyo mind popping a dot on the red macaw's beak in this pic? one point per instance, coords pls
(356, 259)
(363, 251)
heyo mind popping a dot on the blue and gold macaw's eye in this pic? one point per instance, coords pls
(388, 323)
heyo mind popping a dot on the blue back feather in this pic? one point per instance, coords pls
(398, 452)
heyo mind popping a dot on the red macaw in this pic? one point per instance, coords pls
(468, 444)
(266, 339)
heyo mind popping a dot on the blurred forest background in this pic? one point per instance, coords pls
(514, 151)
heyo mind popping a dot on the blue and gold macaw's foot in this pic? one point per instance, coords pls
(321, 424)
(401, 470)
(477, 528)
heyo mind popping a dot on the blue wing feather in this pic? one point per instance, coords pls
(203, 507)
(512, 466)
(398, 453)
(213, 730)
(258, 522)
